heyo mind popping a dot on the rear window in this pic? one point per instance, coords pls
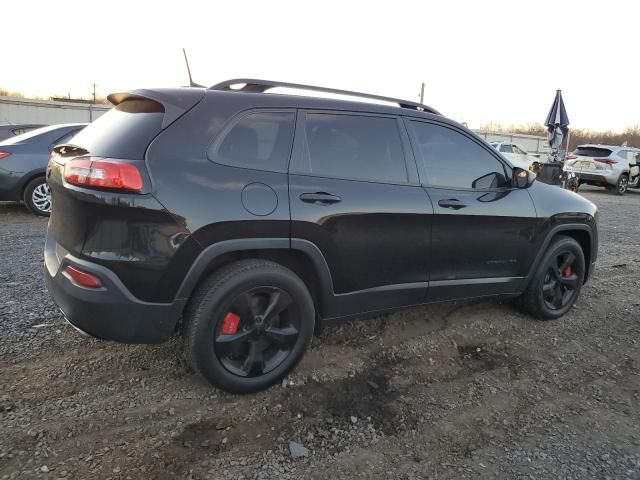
(33, 134)
(67, 137)
(592, 152)
(506, 149)
(125, 131)
(20, 131)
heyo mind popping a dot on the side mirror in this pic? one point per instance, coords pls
(489, 181)
(520, 178)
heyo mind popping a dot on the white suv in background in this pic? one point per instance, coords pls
(610, 166)
(516, 154)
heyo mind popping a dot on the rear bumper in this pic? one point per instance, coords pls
(596, 179)
(110, 312)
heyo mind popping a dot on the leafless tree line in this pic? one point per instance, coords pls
(7, 93)
(578, 136)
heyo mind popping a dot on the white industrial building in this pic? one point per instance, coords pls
(532, 143)
(15, 110)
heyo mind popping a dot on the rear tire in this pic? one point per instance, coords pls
(248, 325)
(622, 184)
(556, 284)
(37, 197)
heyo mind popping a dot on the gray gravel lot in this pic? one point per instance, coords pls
(448, 391)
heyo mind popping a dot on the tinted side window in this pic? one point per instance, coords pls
(260, 140)
(354, 147)
(452, 160)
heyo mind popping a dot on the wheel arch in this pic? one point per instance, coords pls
(581, 233)
(28, 178)
(583, 237)
(300, 256)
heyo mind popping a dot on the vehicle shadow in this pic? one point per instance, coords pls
(603, 191)
(12, 207)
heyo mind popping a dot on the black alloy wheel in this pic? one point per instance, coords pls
(557, 281)
(258, 332)
(248, 325)
(559, 287)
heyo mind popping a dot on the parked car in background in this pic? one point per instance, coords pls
(23, 161)
(252, 217)
(611, 166)
(8, 131)
(516, 154)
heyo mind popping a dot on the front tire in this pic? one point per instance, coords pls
(248, 325)
(37, 197)
(557, 281)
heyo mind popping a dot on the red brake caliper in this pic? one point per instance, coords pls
(566, 273)
(230, 323)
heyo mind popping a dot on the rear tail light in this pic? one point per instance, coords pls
(4, 154)
(571, 156)
(608, 161)
(104, 173)
(82, 278)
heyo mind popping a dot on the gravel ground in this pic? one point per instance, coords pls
(448, 392)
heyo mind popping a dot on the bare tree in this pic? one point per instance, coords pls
(579, 136)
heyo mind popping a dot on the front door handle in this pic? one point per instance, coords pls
(453, 203)
(320, 198)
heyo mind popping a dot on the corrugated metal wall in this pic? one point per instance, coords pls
(23, 110)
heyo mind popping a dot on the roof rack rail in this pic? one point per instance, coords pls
(260, 86)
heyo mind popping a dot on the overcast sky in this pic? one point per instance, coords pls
(482, 61)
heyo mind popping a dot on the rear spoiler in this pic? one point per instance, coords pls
(174, 101)
(69, 149)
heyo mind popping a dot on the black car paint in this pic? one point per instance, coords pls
(28, 158)
(381, 247)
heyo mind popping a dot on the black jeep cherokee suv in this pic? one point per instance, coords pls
(253, 216)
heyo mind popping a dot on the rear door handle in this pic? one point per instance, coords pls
(453, 203)
(320, 198)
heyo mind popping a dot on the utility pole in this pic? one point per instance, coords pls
(91, 105)
(422, 93)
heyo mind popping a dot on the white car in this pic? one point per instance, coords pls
(516, 154)
(611, 166)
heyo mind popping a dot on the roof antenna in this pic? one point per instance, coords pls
(191, 82)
